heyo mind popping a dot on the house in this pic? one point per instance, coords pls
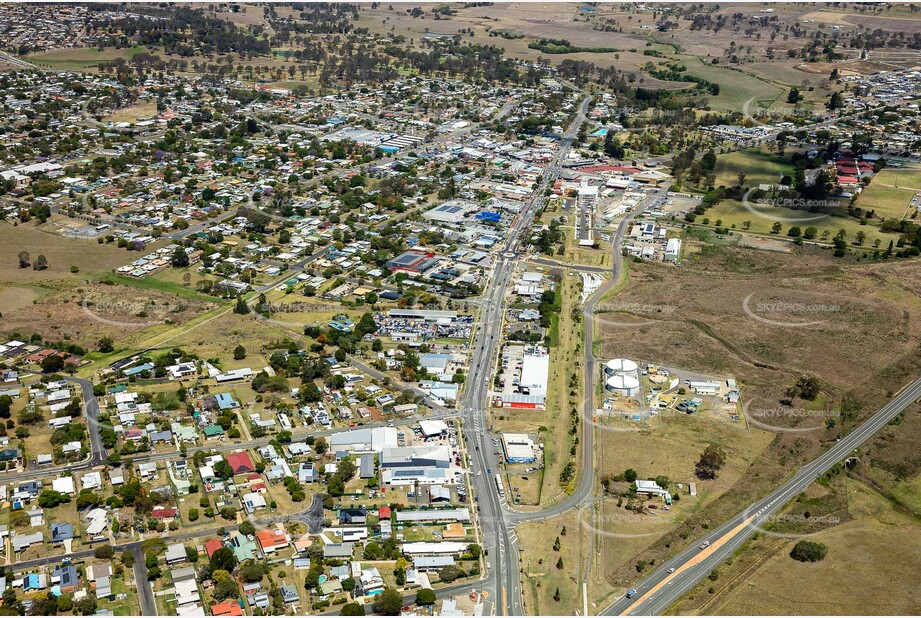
(338, 550)
(65, 577)
(353, 516)
(175, 553)
(33, 581)
(91, 480)
(64, 485)
(186, 592)
(330, 587)
(227, 608)
(163, 513)
(100, 575)
(240, 462)
(243, 548)
(212, 545)
(22, 542)
(289, 594)
(253, 501)
(272, 540)
(103, 587)
(60, 532)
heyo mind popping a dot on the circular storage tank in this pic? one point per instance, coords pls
(627, 386)
(620, 366)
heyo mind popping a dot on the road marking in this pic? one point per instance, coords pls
(693, 561)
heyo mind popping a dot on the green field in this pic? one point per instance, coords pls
(888, 202)
(83, 58)
(759, 167)
(733, 213)
(735, 87)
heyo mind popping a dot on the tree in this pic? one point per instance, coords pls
(794, 96)
(389, 602)
(711, 460)
(252, 572)
(41, 263)
(50, 498)
(836, 100)
(104, 552)
(630, 475)
(559, 563)
(24, 259)
(6, 403)
(556, 595)
(223, 560)
(775, 229)
(241, 307)
(192, 554)
(353, 609)
(52, 364)
(247, 527)
(179, 259)
(807, 551)
(425, 596)
(224, 585)
(239, 353)
(106, 345)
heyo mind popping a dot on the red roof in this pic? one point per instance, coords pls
(227, 609)
(163, 513)
(254, 477)
(383, 512)
(212, 546)
(240, 462)
(271, 538)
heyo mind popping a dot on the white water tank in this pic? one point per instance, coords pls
(620, 366)
(624, 385)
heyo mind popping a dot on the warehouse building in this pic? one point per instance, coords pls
(518, 448)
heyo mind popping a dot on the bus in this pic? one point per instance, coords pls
(103, 227)
(499, 486)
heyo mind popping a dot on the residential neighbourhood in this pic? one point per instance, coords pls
(469, 309)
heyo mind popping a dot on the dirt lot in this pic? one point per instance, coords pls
(83, 312)
(861, 341)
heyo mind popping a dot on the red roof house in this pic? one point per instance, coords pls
(227, 608)
(212, 546)
(272, 540)
(241, 463)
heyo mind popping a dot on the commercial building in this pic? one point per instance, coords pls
(518, 448)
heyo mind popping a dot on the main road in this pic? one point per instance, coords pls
(496, 520)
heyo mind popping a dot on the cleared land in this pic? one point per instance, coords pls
(860, 343)
(881, 539)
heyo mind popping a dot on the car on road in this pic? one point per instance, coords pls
(653, 506)
(671, 570)
(704, 545)
(631, 593)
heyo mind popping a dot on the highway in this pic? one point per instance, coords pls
(497, 521)
(657, 592)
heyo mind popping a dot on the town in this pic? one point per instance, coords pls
(357, 309)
